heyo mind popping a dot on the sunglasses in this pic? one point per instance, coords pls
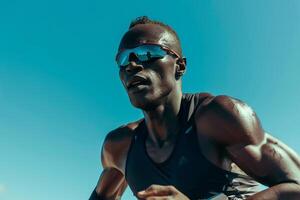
(143, 53)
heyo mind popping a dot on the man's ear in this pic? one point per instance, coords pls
(180, 67)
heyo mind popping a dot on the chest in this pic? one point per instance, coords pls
(180, 164)
(207, 148)
(159, 154)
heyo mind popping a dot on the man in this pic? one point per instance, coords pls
(187, 146)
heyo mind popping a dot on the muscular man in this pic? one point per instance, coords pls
(187, 146)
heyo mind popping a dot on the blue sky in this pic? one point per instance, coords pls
(60, 93)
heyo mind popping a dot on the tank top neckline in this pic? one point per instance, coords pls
(145, 134)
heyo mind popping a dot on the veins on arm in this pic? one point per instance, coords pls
(235, 126)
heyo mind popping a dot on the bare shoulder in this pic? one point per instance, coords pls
(116, 146)
(233, 127)
(229, 121)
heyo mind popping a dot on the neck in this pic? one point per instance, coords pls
(162, 122)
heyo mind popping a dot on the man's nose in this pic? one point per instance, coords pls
(133, 66)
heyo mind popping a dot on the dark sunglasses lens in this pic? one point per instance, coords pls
(143, 53)
(123, 58)
(146, 52)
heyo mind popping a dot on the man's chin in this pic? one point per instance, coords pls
(143, 103)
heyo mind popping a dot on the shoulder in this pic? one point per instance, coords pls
(229, 121)
(116, 146)
(197, 97)
(224, 103)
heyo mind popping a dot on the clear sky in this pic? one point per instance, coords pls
(60, 93)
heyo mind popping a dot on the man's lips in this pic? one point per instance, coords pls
(135, 81)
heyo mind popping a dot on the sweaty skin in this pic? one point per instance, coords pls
(223, 124)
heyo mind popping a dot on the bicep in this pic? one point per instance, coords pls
(112, 183)
(269, 162)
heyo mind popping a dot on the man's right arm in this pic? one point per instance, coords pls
(112, 183)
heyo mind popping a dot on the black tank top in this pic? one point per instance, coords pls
(186, 168)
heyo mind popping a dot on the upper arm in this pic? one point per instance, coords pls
(268, 162)
(112, 183)
(235, 126)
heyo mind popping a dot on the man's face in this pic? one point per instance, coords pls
(149, 83)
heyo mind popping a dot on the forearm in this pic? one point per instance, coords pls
(283, 191)
(94, 196)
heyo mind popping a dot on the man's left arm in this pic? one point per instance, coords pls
(272, 164)
(261, 156)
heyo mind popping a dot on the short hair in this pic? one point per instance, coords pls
(147, 20)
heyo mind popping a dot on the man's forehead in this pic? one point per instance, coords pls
(146, 33)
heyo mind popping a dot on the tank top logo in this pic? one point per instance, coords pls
(188, 130)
